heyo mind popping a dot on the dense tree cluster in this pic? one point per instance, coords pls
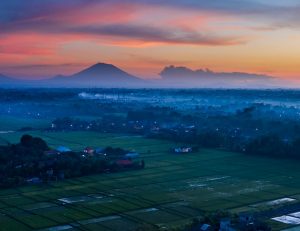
(20, 161)
(273, 146)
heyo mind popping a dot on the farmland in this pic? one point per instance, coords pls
(15, 123)
(169, 191)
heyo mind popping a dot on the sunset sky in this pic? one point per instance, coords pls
(42, 38)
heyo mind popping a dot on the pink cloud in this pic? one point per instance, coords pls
(37, 36)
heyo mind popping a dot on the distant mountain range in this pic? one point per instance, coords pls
(207, 78)
(108, 75)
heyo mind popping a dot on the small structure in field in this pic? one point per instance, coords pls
(205, 227)
(34, 180)
(62, 149)
(132, 155)
(182, 150)
(89, 151)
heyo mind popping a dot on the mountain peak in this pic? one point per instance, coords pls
(102, 65)
(103, 71)
(100, 74)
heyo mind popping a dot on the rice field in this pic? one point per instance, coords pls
(170, 191)
(9, 123)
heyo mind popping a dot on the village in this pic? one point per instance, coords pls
(116, 160)
(34, 162)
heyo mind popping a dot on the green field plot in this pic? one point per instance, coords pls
(8, 224)
(171, 190)
(155, 216)
(8, 123)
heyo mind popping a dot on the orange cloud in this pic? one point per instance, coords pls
(210, 34)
